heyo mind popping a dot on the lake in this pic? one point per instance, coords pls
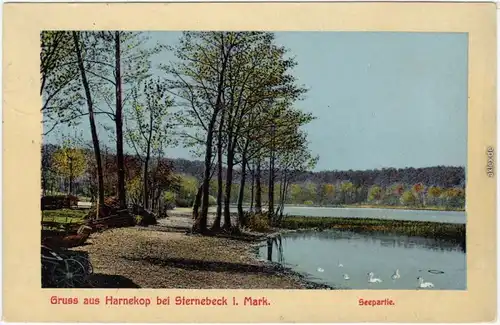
(390, 214)
(318, 254)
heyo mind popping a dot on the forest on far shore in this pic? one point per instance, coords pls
(177, 180)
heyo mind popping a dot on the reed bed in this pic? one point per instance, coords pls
(449, 231)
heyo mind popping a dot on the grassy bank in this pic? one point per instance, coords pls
(63, 216)
(368, 206)
(448, 231)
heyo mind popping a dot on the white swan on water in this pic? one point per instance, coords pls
(422, 284)
(372, 279)
(396, 275)
(320, 270)
(346, 277)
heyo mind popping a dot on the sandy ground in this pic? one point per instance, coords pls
(165, 256)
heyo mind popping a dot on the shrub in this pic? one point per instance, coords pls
(169, 197)
(212, 200)
(258, 222)
(183, 203)
(308, 202)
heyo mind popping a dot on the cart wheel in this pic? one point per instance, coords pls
(69, 274)
(86, 264)
(83, 260)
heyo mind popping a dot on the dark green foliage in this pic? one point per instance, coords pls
(58, 202)
(183, 202)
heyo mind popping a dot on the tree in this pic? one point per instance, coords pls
(135, 189)
(259, 81)
(47, 169)
(454, 197)
(433, 193)
(375, 193)
(59, 80)
(228, 78)
(408, 198)
(188, 188)
(117, 62)
(296, 159)
(296, 193)
(69, 162)
(91, 113)
(419, 191)
(198, 79)
(162, 179)
(330, 191)
(347, 189)
(150, 127)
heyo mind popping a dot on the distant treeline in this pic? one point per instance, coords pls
(442, 176)
(440, 187)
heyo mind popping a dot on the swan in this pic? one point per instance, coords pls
(372, 279)
(341, 265)
(320, 270)
(346, 277)
(396, 275)
(423, 284)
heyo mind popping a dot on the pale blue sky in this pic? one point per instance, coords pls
(381, 99)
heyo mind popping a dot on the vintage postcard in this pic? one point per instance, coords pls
(250, 162)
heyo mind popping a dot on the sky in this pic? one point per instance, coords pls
(380, 99)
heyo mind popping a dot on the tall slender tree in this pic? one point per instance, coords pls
(149, 130)
(93, 129)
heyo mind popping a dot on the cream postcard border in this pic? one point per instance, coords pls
(24, 300)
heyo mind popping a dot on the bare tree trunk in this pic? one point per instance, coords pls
(241, 193)
(270, 249)
(270, 210)
(258, 189)
(197, 202)
(218, 215)
(200, 224)
(283, 192)
(280, 198)
(227, 196)
(119, 125)
(252, 190)
(44, 184)
(145, 193)
(93, 129)
(146, 163)
(70, 175)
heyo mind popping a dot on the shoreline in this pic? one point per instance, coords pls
(157, 257)
(167, 255)
(366, 206)
(455, 232)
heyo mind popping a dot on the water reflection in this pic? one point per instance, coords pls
(278, 244)
(382, 239)
(442, 262)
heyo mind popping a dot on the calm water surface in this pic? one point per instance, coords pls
(313, 252)
(389, 214)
